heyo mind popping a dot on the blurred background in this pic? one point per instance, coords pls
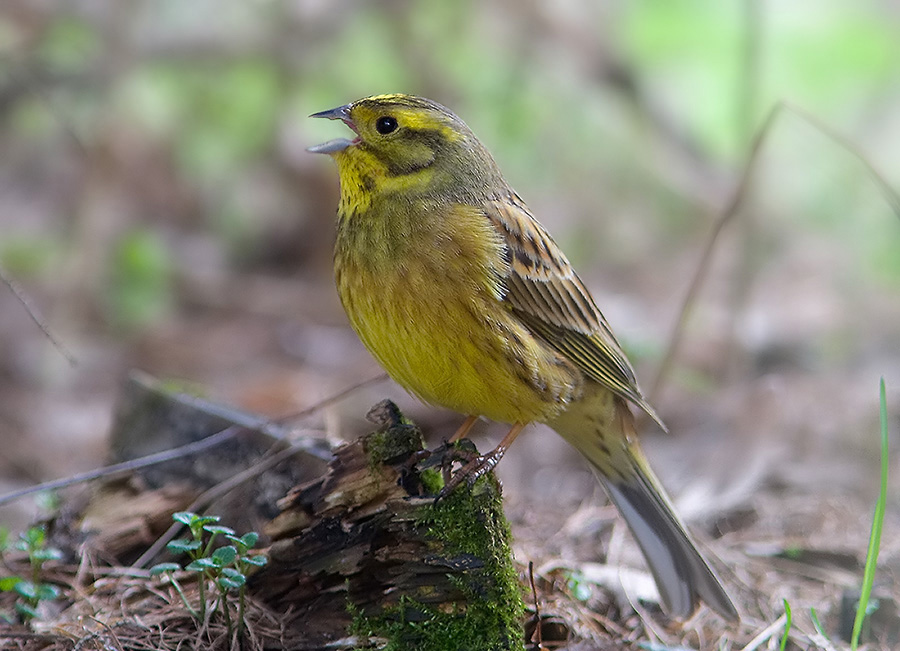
(158, 210)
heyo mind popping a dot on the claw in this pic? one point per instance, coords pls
(478, 466)
(471, 472)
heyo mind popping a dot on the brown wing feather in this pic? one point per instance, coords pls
(544, 291)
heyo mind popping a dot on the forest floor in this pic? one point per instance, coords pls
(775, 467)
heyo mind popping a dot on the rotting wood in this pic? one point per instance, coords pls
(360, 554)
(366, 550)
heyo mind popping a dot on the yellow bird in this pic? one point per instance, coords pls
(468, 303)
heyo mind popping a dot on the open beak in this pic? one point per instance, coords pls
(338, 144)
(339, 113)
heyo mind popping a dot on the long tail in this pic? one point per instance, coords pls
(603, 431)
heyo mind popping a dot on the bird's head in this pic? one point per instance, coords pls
(409, 145)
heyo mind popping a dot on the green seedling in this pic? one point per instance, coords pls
(33, 590)
(865, 607)
(788, 622)
(224, 568)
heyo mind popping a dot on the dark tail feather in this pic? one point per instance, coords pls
(601, 427)
(682, 575)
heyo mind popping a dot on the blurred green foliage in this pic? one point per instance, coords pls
(68, 45)
(217, 118)
(827, 56)
(622, 122)
(26, 258)
(140, 287)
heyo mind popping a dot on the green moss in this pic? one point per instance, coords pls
(387, 446)
(472, 522)
(432, 481)
(468, 531)
(395, 440)
(468, 523)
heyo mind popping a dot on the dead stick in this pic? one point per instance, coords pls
(703, 265)
(186, 450)
(327, 402)
(20, 295)
(890, 195)
(215, 492)
(128, 466)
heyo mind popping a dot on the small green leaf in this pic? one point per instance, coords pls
(205, 520)
(225, 555)
(30, 540)
(7, 583)
(217, 529)
(164, 567)
(26, 611)
(182, 545)
(231, 579)
(249, 539)
(26, 589)
(47, 554)
(184, 517)
(200, 523)
(258, 561)
(47, 592)
(579, 588)
(200, 565)
(35, 537)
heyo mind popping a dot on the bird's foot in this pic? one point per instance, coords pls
(479, 465)
(445, 455)
(476, 467)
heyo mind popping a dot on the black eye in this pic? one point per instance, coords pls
(385, 125)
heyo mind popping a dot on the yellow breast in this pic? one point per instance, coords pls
(424, 294)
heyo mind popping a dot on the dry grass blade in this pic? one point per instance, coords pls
(765, 634)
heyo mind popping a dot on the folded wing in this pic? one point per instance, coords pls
(546, 294)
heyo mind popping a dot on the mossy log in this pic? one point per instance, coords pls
(360, 553)
(366, 551)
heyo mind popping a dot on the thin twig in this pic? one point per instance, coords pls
(890, 195)
(327, 402)
(700, 272)
(224, 487)
(537, 637)
(127, 466)
(216, 492)
(23, 299)
(192, 448)
(28, 80)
